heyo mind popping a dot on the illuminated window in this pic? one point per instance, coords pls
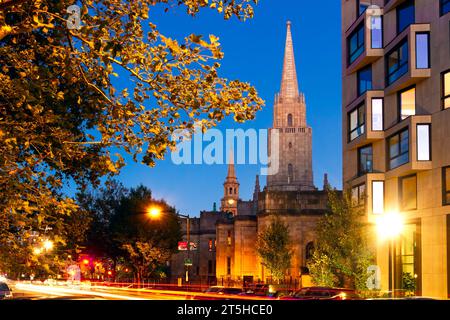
(377, 197)
(229, 238)
(359, 195)
(289, 120)
(365, 160)
(357, 122)
(446, 89)
(408, 193)
(423, 50)
(446, 186)
(423, 142)
(210, 244)
(377, 114)
(398, 149)
(407, 103)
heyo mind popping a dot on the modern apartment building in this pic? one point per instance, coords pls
(396, 133)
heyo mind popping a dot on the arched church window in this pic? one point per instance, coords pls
(290, 145)
(309, 250)
(290, 173)
(231, 191)
(289, 119)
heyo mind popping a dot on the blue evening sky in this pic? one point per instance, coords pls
(254, 53)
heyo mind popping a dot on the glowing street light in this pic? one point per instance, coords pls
(37, 251)
(48, 245)
(154, 212)
(389, 225)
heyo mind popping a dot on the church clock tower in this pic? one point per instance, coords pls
(230, 198)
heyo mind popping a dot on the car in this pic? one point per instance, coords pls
(5, 291)
(323, 293)
(219, 293)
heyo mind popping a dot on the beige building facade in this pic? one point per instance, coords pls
(396, 134)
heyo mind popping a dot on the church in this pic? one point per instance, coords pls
(226, 253)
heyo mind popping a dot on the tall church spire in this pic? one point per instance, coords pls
(231, 171)
(289, 83)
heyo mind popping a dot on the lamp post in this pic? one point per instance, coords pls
(389, 227)
(155, 213)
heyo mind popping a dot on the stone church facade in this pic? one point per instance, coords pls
(290, 194)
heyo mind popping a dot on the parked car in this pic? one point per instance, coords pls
(5, 291)
(323, 293)
(218, 293)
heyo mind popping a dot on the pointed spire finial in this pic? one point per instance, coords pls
(289, 82)
(231, 170)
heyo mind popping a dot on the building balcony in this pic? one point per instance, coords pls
(402, 74)
(372, 130)
(419, 146)
(373, 193)
(372, 47)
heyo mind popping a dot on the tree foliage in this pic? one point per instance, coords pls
(123, 230)
(61, 114)
(273, 248)
(342, 254)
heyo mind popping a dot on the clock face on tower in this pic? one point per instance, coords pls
(230, 202)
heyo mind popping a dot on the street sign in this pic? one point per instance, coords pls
(183, 246)
(188, 262)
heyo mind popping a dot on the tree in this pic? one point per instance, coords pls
(61, 114)
(342, 255)
(146, 243)
(273, 248)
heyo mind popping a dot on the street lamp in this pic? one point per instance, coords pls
(155, 213)
(389, 227)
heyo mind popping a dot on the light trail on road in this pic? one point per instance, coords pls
(58, 291)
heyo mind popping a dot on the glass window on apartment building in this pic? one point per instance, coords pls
(407, 103)
(406, 15)
(357, 122)
(423, 50)
(359, 195)
(408, 259)
(446, 186)
(408, 193)
(445, 6)
(376, 32)
(446, 89)
(377, 114)
(423, 142)
(356, 44)
(362, 6)
(364, 80)
(398, 149)
(228, 266)
(377, 197)
(397, 62)
(365, 160)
